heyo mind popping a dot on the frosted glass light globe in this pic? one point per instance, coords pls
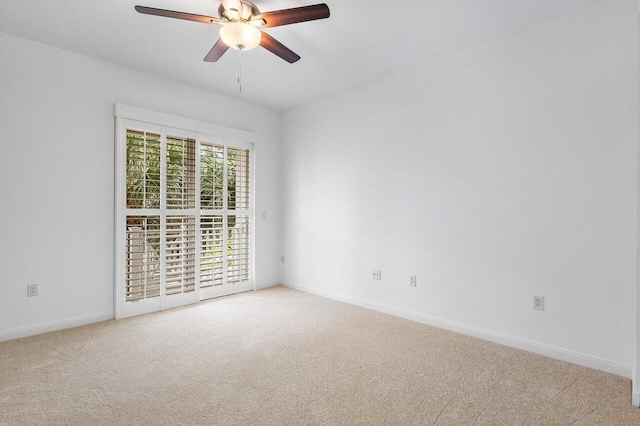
(236, 34)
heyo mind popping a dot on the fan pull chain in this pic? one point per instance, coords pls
(240, 47)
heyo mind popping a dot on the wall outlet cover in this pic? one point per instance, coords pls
(538, 303)
(32, 290)
(377, 274)
(413, 281)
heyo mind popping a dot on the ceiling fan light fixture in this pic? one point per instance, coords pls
(239, 19)
(240, 35)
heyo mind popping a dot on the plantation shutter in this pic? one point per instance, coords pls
(211, 251)
(143, 170)
(238, 221)
(184, 219)
(143, 232)
(180, 254)
(180, 235)
(211, 176)
(181, 163)
(142, 257)
(238, 176)
(238, 263)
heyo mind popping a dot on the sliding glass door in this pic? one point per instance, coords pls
(184, 217)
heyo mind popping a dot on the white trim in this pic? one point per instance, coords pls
(635, 396)
(503, 339)
(225, 221)
(162, 212)
(168, 120)
(252, 218)
(145, 120)
(267, 284)
(119, 204)
(226, 290)
(32, 330)
(635, 392)
(198, 211)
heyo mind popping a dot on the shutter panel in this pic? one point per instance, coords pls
(238, 198)
(142, 264)
(143, 170)
(238, 179)
(211, 251)
(142, 257)
(211, 176)
(180, 260)
(238, 250)
(184, 208)
(181, 165)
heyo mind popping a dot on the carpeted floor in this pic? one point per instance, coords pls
(282, 357)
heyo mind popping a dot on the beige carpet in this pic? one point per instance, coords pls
(282, 357)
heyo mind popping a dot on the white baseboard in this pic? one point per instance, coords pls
(267, 284)
(635, 400)
(503, 339)
(32, 330)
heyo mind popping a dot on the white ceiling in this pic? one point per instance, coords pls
(362, 40)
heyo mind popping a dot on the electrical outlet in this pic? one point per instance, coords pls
(538, 303)
(264, 214)
(282, 259)
(32, 290)
(377, 274)
(413, 281)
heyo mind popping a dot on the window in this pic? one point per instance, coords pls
(184, 217)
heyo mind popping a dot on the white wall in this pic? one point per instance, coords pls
(494, 173)
(57, 172)
(636, 370)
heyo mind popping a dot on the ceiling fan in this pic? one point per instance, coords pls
(241, 21)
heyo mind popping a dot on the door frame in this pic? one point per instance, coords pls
(128, 116)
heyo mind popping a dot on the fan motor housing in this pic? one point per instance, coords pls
(245, 5)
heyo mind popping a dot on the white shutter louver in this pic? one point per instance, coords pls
(143, 170)
(180, 255)
(143, 232)
(181, 164)
(238, 240)
(143, 257)
(211, 251)
(238, 179)
(238, 199)
(211, 176)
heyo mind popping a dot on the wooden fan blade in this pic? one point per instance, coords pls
(178, 15)
(216, 51)
(297, 14)
(275, 47)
